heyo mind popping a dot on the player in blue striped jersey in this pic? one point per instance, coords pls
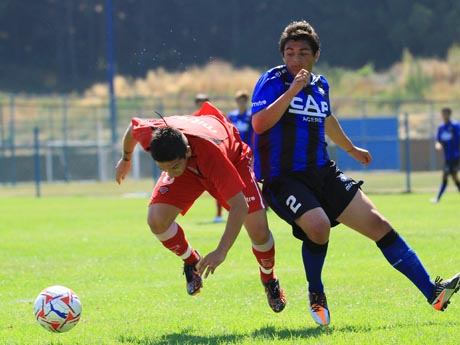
(291, 116)
(308, 109)
(241, 117)
(448, 140)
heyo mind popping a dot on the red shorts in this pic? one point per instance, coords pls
(182, 191)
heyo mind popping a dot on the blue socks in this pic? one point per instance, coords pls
(393, 247)
(313, 256)
(404, 259)
(441, 190)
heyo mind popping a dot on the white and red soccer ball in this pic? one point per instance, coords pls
(57, 309)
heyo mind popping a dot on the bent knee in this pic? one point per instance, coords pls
(256, 225)
(259, 235)
(157, 224)
(161, 216)
(316, 226)
(318, 231)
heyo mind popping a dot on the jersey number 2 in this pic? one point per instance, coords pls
(291, 201)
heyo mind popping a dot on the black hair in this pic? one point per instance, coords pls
(168, 144)
(300, 31)
(446, 110)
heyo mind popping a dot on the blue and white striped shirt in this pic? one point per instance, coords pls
(297, 141)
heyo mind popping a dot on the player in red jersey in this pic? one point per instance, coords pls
(197, 153)
(200, 99)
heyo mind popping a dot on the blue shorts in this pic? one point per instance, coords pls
(452, 165)
(291, 195)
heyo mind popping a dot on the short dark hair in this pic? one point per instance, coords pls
(300, 31)
(446, 110)
(241, 94)
(168, 144)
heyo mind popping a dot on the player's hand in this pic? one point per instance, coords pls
(361, 155)
(210, 262)
(438, 146)
(122, 169)
(301, 80)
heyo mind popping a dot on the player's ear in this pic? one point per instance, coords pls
(282, 56)
(317, 54)
(188, 152)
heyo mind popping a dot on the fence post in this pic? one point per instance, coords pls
(407, 148)
(111, 70)
(12, 141)
(101, 156)
(65, 139)
(432, 149)
(2, 148)
(49, 163)
(37, 161)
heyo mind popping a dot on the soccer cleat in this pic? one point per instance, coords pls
(193, 278)
(318, 308)
(443, 291)
(275, 295)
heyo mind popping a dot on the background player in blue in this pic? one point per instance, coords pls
(291, 116)
(241, 117)
(448, 140)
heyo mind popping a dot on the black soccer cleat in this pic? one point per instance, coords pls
(275, 295)
(193, 278)
(318, 308)
(443, 291)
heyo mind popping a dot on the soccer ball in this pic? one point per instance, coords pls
(57, 309)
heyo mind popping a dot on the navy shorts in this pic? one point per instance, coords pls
(451, 166)
(291, 195)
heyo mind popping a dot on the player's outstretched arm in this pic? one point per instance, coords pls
(236, 217)
(335, 132)
(124, 164)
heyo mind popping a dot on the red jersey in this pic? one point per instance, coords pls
(216, 147)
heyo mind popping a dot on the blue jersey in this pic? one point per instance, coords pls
(297, 141)
(449, 137)
(242, 122)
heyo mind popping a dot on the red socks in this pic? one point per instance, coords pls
(174, 239)
(265, 255)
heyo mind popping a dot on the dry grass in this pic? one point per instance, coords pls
(364, 91)
(218, 79)
(438, 79)
(433, 79)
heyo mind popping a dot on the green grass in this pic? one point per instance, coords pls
(381, 182)
(133, 291)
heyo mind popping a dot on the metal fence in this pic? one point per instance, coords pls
(75, 138)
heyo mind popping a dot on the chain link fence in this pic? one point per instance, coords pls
(75, 138)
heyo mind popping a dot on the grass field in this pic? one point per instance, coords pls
(380, 182)
(133, 291)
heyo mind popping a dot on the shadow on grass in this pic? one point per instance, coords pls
(187, 337)
(209, 222)
(268, 333)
